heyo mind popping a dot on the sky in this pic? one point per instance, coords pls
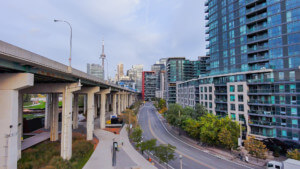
(135, 31)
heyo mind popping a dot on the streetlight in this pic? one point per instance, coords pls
(180, 157)
(69, 67)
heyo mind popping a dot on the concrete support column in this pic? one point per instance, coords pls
(10, 85)
(47, 111)
(102, 112)
(119, 103)
(114, 104)
(66, 130)
(20, 124)
(75, 112)
(84, 104)
(54, 117)
(92, 108)
(122, 102)
(95, 105)
(126, 100)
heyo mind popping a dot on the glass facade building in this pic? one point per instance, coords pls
(254, 78)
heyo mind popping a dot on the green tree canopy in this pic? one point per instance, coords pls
(294, 154)
(148, 145)
(165, 153)
(136, 134)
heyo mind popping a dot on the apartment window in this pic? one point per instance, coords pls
(241, 107)
(210, 97)
(281, 75)
(231, 88)
(293, 99)
(281, 88)
(240, 88)
(294, 121)
(210, 105)
(232, 97)
(232, 106)
(294, 111)
(205, 89)
(240, 98)
(205, 97)
(206, 104)
(210, 89)
(201, 96)
(282, 100)
(233, 117)
(292, 75)
(283, 133)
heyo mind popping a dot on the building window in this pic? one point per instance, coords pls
(292, 75)
(210, 97)
(233, 116)
(231, 88)
(293, 88)
(205, 97)
(210, 105)
(293, 99)
(294, 121)
(283, 133)
(210, 89)
(240, 98)
(232, 106)
(232, 97)
(281, 88)
(294, 111)
(241, 107)
(205, 89)
(240, 88)
(281, 75)
(201, 89)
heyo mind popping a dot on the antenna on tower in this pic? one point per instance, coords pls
(103, 57)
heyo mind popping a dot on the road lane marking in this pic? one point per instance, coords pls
(198, 148)
(179, 152)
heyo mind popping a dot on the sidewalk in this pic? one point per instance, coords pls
(127, 156)
(37, 138)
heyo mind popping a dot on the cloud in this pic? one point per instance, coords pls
(135, 31)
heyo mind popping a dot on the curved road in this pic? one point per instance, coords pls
(192, 158)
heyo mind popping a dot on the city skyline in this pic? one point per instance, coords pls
(136, 34)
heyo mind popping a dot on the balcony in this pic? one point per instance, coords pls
(260, 91)
(261, 113)
(206, 3)
(221, 100)
(255, 101)
(257, 28)
(262, 134)
(269, 80)
(256, 8)
(258, 59)
(257, 38)
(250, 1)
(221, 109)
(262, 123)
(256, 18)
(258, 48)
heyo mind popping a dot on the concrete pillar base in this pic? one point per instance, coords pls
(54, 117)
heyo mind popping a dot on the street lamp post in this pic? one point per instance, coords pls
(70, 58)
(180, 157)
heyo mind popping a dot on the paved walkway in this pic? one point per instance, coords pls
(31, 141)
(127, 156)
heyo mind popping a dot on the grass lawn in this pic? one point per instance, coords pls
(47, 155)
(32, 116)
(40, 106)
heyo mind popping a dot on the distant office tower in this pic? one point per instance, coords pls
(120, 71)
(95, 70)
(254, 49)
(138, 69)
(148, 85)
(180, 69)
(158, 68)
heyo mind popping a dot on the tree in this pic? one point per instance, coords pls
(255, 147)
(225, 138)
(165, 153)
(148, 145)
(210, 127)
(200, 110)
(172, 113)
(136, 135)
(294, 154)
(192, 127)
(161, 104)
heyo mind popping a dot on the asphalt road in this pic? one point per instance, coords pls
(192, 158)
